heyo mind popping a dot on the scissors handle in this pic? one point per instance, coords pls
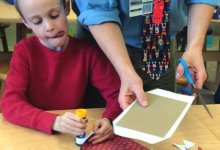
(186, 70)
(190, 81)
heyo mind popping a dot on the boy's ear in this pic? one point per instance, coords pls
(25, 23)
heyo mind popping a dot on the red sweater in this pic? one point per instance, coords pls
(41, 79)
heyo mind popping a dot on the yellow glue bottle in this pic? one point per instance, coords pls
(82, 113)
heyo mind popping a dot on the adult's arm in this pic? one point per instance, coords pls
(102, 19)
(112, 43)
(197, 28)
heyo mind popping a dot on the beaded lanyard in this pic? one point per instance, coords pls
(156, 40)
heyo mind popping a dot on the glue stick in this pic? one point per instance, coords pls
(82, 114)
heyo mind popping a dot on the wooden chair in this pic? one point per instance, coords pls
(3, 36)
(5, 58)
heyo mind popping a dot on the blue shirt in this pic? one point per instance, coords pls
(98, 11)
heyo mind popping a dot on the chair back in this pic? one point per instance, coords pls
(5, 58)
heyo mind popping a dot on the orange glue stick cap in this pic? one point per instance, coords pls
(81, 113)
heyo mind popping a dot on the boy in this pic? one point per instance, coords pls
(50, 71)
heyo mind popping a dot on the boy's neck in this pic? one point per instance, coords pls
(60, 48)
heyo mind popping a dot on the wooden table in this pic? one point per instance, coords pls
(8, 15)
(196, 127)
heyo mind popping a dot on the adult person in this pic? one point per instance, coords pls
(118, 34)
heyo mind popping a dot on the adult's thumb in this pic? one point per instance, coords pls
(142, 97)
(179, 71)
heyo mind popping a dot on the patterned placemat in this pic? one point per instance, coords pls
(116, 143)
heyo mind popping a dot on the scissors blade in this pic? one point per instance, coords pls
(204, 104)
(202, 91)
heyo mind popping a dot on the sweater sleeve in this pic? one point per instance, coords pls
(104, 77)
(97, 11)
(15, 105)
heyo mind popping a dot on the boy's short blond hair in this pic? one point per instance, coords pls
(16, 3)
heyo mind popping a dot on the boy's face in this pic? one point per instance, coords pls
(47, 19)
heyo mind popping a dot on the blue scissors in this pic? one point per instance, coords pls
(194, 89)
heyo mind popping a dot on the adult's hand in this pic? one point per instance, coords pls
(131, 89)
(196, 66)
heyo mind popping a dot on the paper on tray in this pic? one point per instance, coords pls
(156, 122)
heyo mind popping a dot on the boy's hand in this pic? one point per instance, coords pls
(69, 123)
(103, 130)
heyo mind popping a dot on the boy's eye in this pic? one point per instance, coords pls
(36, 21)
(54, 16)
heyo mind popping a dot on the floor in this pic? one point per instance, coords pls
(211, 66)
